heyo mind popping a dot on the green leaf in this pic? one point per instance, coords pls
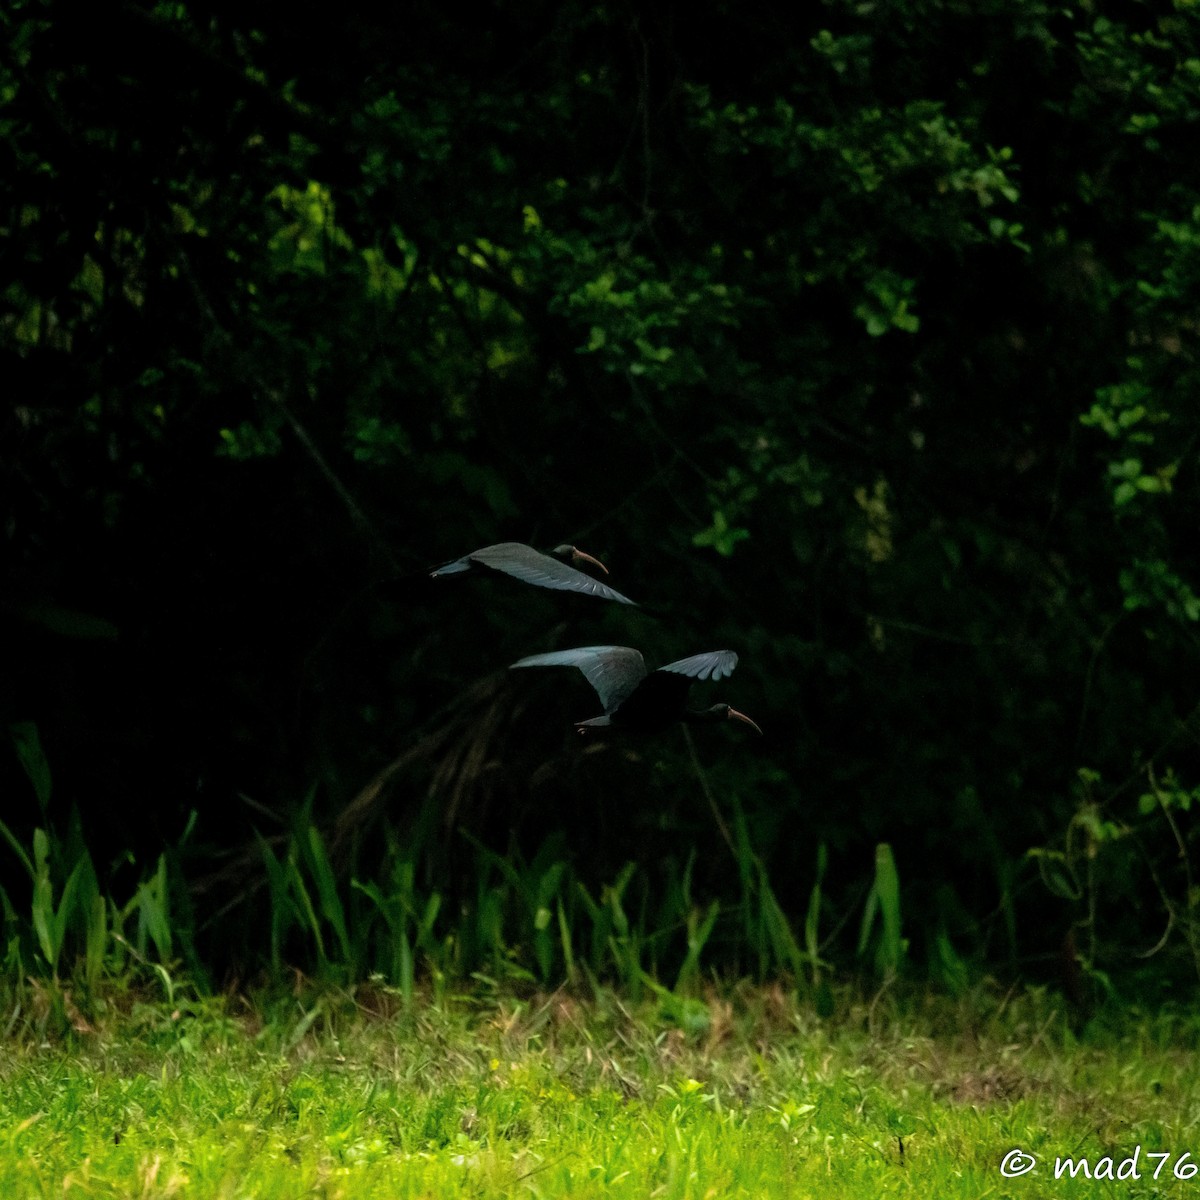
(721, 536)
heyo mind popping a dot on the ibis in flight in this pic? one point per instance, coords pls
(636, 699)
(553, 570)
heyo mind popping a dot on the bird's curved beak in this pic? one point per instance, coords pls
(734, 715)
(579, 556)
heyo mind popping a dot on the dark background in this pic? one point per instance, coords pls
(861, 341)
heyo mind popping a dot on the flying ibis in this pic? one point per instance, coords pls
(523, 562)
(635, 699)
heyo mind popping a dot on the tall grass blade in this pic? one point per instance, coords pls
(283, 912)
(543, 940)
(625, 941)
(947, 965)
(812, 918)
(305, 909)
(330, 902)
(93, 919)
(785, 949)
(28, 745)
(883, 900)
(154, 913)
(49, 919)
(887, 879)
(699, 930)
(767, 928)
(96, 941)
(14, 959)
(18, 850)
(568, 950)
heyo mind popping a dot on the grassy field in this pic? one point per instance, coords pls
(745, 1094)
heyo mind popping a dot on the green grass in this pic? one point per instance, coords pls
(362, 1096)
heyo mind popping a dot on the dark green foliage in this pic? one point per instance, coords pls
(861, 340)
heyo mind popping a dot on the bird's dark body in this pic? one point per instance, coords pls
(656, 704)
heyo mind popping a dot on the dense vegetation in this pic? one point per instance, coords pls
(860, 339)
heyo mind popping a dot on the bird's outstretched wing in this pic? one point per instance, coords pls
(660, 698)
(714, 665)
(531, 566)
(614, 671)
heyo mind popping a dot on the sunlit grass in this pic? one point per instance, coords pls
(336, 1096)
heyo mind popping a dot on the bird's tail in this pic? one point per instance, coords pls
(588, 728)
(454, 568)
